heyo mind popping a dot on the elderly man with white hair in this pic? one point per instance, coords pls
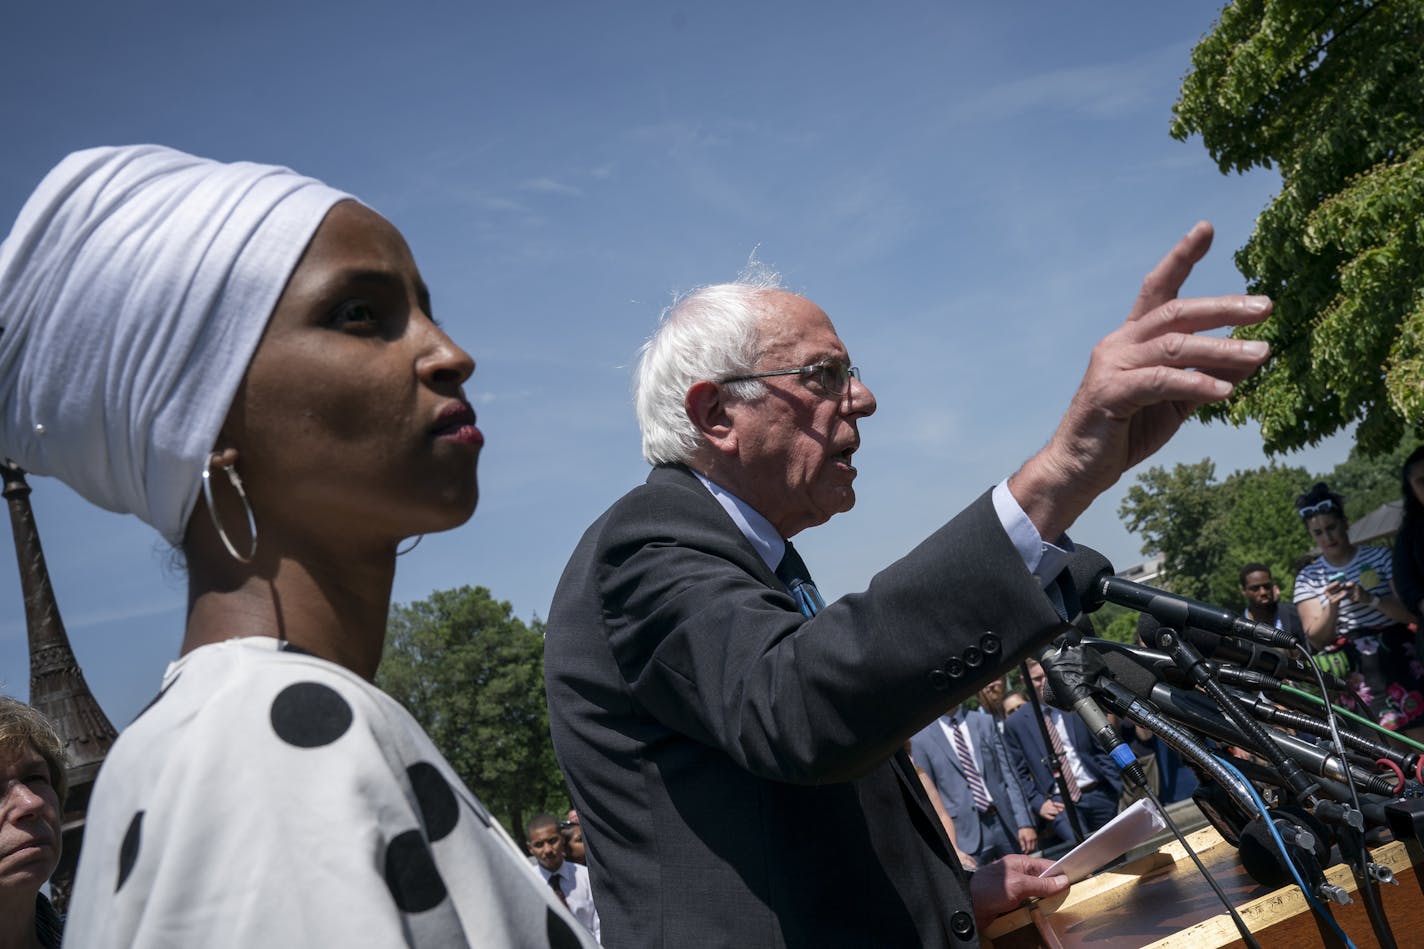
(731, 741)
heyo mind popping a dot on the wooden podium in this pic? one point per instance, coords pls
(1161, 901)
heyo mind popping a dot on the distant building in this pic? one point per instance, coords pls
(1380, 525)
(1146, 572)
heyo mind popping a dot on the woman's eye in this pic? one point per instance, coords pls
(355, 315)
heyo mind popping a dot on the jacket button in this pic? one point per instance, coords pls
(939, 681)
(973, 657)
(990, 644)
(962, 924)
(954, 668)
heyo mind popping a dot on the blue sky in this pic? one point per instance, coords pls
(973, 192)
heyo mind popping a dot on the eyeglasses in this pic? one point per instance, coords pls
(1318, 508)
(832, 378)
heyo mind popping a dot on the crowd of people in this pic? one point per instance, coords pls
(733, 744)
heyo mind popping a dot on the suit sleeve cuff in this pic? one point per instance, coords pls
(1044, 560)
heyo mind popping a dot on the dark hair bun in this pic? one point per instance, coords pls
(1320, 500)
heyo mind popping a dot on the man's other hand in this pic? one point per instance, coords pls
(1002, 886)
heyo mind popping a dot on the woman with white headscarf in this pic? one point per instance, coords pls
(246, 359)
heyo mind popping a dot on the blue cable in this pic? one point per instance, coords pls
(1281, 844)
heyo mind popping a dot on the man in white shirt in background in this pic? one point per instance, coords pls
(568, 879)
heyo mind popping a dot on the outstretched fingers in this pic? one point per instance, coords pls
(1166, 279)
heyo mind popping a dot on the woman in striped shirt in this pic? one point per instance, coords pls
(1348, 607)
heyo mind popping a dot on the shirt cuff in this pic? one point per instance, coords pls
(1044, 560)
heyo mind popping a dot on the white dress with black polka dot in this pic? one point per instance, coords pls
(270, 798)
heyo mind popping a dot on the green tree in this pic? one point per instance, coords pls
(473, 676)
(1367, 482)
(1115, 622)
(1256, 520)
(1173, 512)
(1328, 92)
(1205, 530)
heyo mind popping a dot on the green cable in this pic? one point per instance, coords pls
(1359, 719)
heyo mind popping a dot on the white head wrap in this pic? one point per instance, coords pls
(133, 291)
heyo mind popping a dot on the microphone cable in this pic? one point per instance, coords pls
(1247, 936)
(1360, 862)
(1320, 911)
(1357, 719)
(1141, 712)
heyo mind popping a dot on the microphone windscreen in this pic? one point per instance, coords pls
(1262, 859)
(1085, 567)
(1049, 697)
(1129, 674)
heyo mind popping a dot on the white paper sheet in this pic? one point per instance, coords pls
(1132, 827)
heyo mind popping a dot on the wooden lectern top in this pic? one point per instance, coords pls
(1161, 901)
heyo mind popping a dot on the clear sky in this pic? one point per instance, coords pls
(972, 191)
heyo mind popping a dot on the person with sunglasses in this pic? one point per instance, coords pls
(1350, 612)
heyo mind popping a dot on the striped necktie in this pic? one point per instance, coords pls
(1075, 793)
(792, 572)
(982, 801)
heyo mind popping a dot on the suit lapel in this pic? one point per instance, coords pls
(750, 560)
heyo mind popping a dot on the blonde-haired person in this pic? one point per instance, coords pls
(247, 359)
(32, 789)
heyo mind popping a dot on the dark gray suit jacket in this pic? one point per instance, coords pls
(933, 752)
(735, 764)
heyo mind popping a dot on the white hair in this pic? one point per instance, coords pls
(707, 334)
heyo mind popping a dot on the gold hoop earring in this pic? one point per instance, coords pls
(236, 483)
(415, 544)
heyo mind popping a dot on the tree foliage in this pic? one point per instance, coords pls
(473, 676)
(1367, 482)
(1173, 511)
(1117, 623)
(1329, 93)
(1205, 530)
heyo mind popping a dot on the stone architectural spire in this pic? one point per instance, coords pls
(57, 686)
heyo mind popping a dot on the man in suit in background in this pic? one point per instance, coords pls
(1263, 601)
(1094, 781)
(962, 753)
(565, 877)
(707, 706)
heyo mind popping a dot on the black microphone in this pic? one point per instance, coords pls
(1093, 578)
(1144, 713)
(1201, 714)
(1161, 665)
(1067, 670)
(1249, 656)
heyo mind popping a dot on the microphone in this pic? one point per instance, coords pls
(1161, 665)
(1067, 670)
(1201, 714)
(1093, 578)
(1249, 656)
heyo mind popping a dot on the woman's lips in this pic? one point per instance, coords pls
(457, 424)
(465, 435)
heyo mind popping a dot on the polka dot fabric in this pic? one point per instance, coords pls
(268, 797)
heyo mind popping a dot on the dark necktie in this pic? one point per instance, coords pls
(558, 888)
(1074, 792)
(982, 801)
(792, 572)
